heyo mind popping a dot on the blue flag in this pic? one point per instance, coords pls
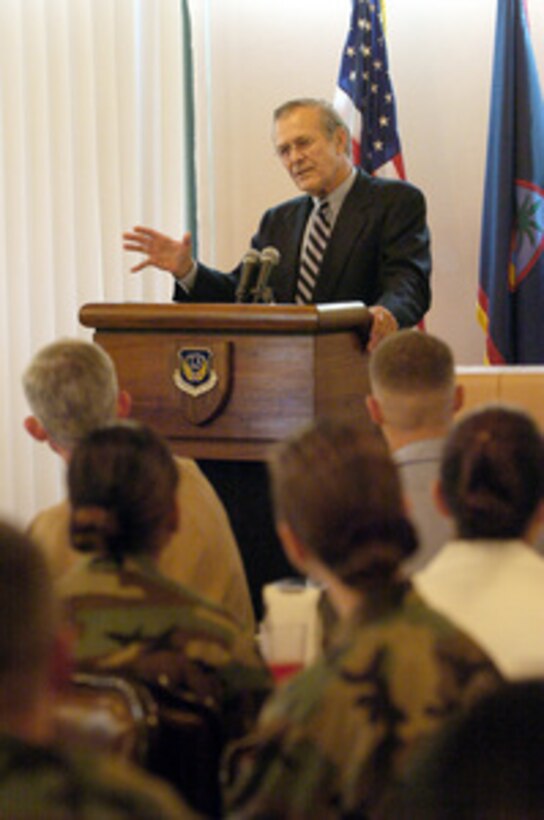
(511, 292)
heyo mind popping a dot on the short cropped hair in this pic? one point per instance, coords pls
(71, 387)
(418, 367)
(29, 617)
(492, 473)
(338, 489)
(331, 120)
(410, 361)
(122, 482)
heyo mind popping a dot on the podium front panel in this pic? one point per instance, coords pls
(266, 386)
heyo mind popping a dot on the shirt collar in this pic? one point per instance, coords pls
(336, 197)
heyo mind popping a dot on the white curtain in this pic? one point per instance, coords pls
(92, 141)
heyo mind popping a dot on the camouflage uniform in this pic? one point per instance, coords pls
(329, 741)
(201, 554)
(37, 782)
(133, 621)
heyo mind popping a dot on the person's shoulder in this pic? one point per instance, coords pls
(212, 619)
(44, 781)
(298, 698)
(387, 187)
(195, 484)
(49, 529)
(411, 623)
(187, 467)
(49, 523)
(144, 795)
(286, 209)
(451, 645)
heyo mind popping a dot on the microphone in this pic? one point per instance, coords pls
(270, 258)
(250, 260)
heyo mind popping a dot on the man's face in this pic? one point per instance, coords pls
(316, 163)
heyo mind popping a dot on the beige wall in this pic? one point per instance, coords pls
(259, 52)
(521, 387)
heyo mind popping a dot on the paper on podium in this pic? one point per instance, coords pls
(295, 601)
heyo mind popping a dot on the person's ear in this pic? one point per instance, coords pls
(458, 397)
(39, 433)
(34, 428)
(124, 404)
(374, 409)
(295, 551)
(341, 137)
(439, 500)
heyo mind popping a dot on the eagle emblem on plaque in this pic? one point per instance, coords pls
(195, 374)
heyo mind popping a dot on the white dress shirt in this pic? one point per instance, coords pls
(493, 590)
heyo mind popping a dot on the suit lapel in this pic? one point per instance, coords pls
(349, 225)
(295, 230)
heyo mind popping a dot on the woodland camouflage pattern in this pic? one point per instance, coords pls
(331, 740)
(39, 783)
(130, 620)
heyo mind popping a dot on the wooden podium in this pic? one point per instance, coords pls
(223, 383)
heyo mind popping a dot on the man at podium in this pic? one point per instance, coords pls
(349, 236)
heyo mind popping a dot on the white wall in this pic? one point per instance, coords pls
(259, 53)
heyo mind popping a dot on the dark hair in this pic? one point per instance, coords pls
(338, 489)
(28, 614)
(492, 473)
(487, 763)
(122, 481)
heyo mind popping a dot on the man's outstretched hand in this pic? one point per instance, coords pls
(160, 251)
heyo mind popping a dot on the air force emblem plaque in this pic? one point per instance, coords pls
(195, 374)
(202, 375)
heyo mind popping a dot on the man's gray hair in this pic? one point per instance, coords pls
(71, 387)
(330, 118)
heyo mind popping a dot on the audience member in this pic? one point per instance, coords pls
(413, 399)
(71, 387)
(490, 579)
(372, 238)
(38, 780)
(122, 483)
(486, 765)
(329, 743)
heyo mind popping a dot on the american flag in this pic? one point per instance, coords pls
(364, 95)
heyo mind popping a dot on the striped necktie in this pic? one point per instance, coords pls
(313, 252)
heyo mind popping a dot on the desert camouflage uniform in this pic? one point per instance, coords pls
(133, 621)
(39, 783)
(329, 741)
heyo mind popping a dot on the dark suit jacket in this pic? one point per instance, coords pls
(378, 253)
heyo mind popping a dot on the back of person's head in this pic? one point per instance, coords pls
(71, 387)
(413, 376)
(492, 473)
(122, 483)
(486, 765)
(29, 622)
(338, 490)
